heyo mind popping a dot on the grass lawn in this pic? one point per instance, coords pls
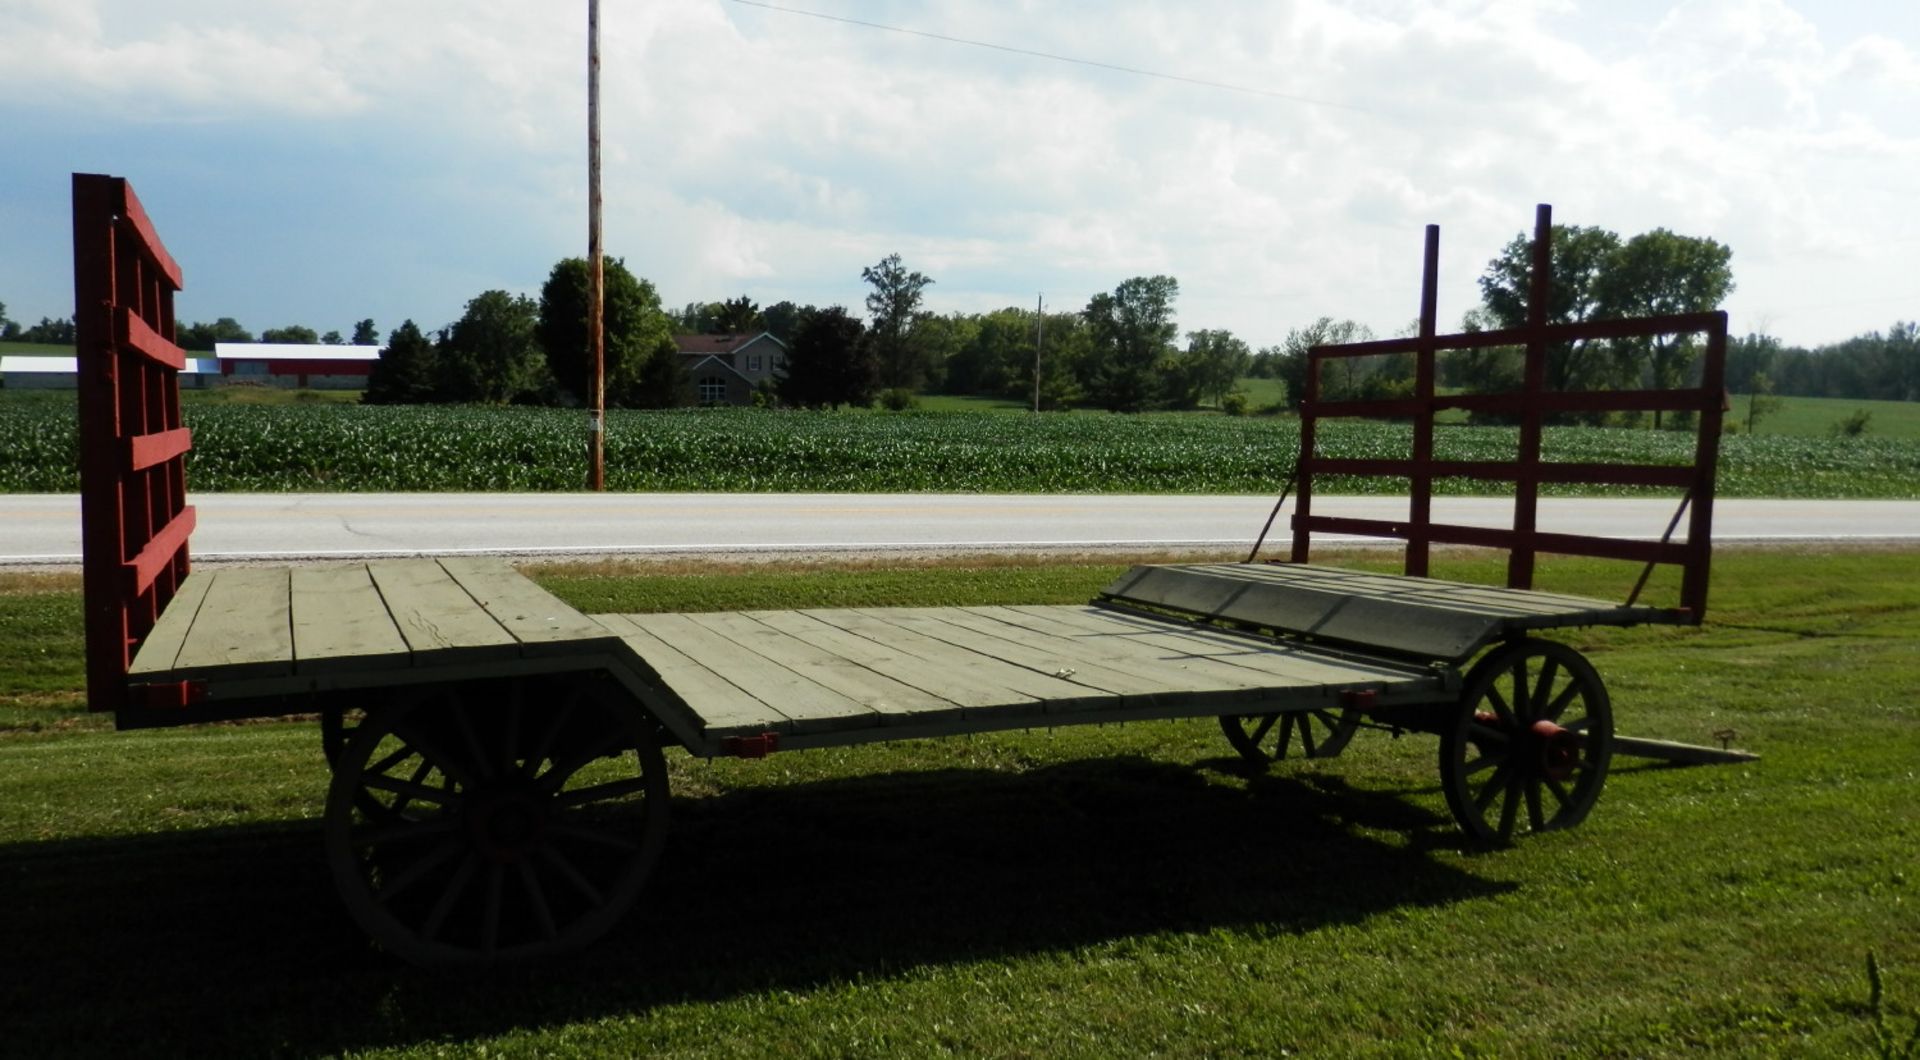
(1084, 892)
(1816, 417)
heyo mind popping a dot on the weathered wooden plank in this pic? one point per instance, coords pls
(1040, 654)
(539, 620)
(1114, 645)
(719, 705)
(1373, 624)
(244, 626)
(434, 614)
(807, 704)
(341, 623)
(971, 691)
(1273, 663)
(1434, 591)
(162, 646)
(871, 689)
(956, 664)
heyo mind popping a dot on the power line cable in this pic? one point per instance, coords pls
(1053, 57)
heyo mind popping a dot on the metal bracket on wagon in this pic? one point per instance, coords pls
(759, 745)
(170, 695)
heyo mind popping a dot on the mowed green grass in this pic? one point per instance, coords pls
(1816, 417)
(1117, 891)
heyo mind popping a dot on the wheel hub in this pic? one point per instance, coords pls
(1558, 748)
(507, 822)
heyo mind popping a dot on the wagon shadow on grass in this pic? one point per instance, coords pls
(230, 941)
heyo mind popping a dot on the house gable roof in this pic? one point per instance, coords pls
(719, 344)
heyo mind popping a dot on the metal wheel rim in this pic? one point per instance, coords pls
(478, 824)
(1264, 738)
(1503, 778)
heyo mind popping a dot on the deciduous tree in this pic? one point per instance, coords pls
(892, 307)
(642, 365)
(491, 355)
(828, 362)
(293, 334)
(406, 370)
(1132, 331)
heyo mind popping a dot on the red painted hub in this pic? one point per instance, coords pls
(1559, 749)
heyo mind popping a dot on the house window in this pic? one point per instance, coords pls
(753, 362)
(713, 390)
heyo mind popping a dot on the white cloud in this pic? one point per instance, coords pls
(748, 149)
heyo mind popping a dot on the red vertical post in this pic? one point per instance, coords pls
(1526, 490)
(1706, 457)
(102, 522)
(1420, 493)
(1303, 466)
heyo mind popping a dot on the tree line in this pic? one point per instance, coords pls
(1122, 351)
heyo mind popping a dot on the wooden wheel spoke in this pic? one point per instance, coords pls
(1486, 734)
(412, 790)
(1483, 763)
(613, 789)
(456, 888)
(537, 898)
(433, 753)
(1306, 734)
(1494, 786)
(1559, 704)
(1264, 727)
(510, 740)
(405, 752)
(531, 766)
(562, 865)
(1499, 705)
(553, 779)
(1535, 820)
(1559, 792)
(1287, 725)
(1510, 807)
(1578, 724)
(477, 754)
(1543, 688)
(417, 871)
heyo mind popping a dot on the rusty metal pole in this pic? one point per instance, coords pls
(596, 272)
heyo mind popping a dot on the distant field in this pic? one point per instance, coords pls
(321, 446)
(1816, 417)
(34, 349)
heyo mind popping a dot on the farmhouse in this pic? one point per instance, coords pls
(725, 369)
(317, 367)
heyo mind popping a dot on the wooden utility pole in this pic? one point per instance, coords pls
(1039, 339)
(596, 274)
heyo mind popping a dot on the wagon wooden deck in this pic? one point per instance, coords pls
(499, 789)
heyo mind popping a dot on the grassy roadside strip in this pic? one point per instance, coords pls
(1090, 892)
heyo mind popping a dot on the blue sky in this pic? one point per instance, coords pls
(316, 164)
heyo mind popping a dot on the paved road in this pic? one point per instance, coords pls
(41, 529)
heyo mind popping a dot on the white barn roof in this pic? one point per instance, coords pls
(292, 351)
(33, 364)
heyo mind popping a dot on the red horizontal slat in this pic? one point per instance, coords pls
(1639, 327)
(160, 551)
(1507, 471)
(1696, 399)
(136, 218)
(1499, 537)
(146, 450)
(133, 333)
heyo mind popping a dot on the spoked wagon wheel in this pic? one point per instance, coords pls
(1263, 738)
(1529, 747)
(496, 821)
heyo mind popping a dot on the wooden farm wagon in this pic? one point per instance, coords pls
(498, 784)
